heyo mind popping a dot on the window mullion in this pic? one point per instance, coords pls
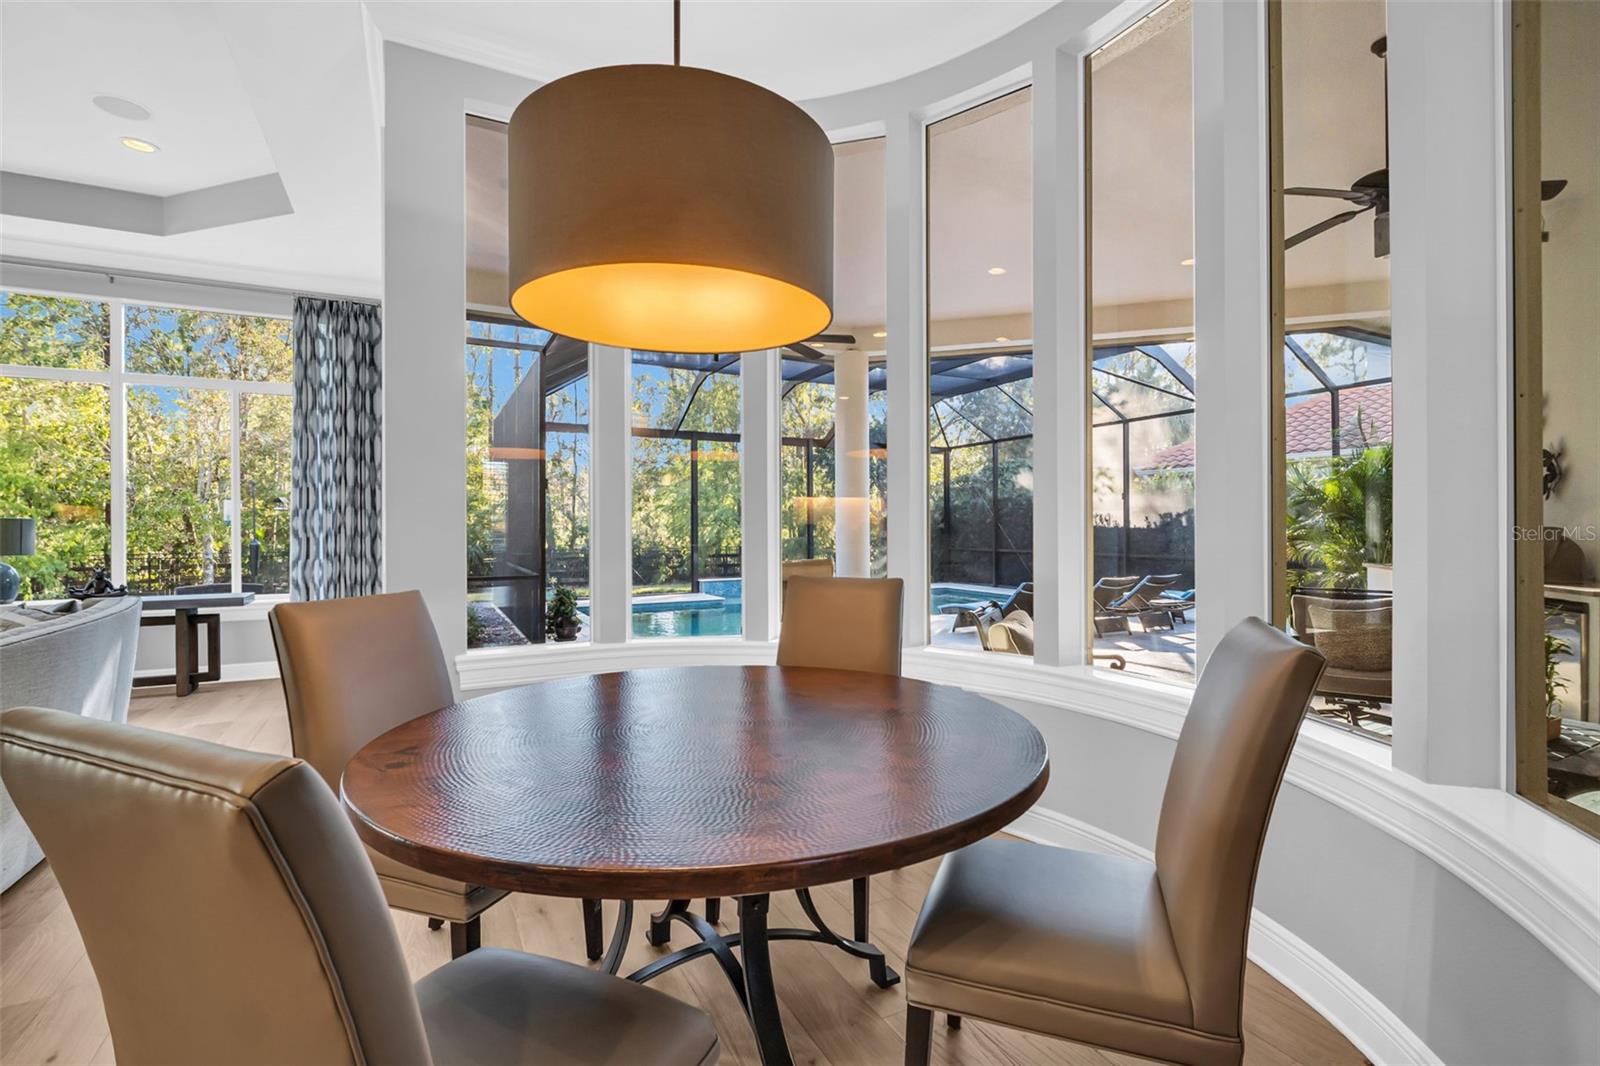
(118, 400)
(235, 508)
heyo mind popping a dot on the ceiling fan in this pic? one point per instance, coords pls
(1370, 192)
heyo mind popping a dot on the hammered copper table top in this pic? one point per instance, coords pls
(699, 781)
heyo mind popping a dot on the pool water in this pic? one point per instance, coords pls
(726, 620)
(946, 595)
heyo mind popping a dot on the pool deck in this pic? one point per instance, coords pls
(678, 601)
(1161, 654)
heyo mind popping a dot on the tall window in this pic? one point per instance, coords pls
(687, 536)
(1334, 429)
(205, 399)
(833, 424)
(980, 376)
(527, 482)
(1143, 600)
(1556, 234)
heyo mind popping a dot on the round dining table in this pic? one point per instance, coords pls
(698, 782)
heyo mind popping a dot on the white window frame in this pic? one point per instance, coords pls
(117, 379)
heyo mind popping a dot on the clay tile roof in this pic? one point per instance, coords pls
(1366, 412)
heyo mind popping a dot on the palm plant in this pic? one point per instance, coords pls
(1341, 516)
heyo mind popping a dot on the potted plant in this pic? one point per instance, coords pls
(561, 613)
(1554, 684)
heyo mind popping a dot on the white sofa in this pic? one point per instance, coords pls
(80, 662)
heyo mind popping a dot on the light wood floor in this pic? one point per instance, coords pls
(50, 1010)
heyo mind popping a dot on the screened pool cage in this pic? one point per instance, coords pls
(981, 422)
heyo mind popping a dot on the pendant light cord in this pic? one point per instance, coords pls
(677, 33)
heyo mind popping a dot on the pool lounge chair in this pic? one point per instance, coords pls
(967, 614)
(1147, 601)
(1107, 591)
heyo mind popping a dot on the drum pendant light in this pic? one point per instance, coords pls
(669, 208)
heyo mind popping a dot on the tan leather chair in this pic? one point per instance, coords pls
(230, 916)
(1132, 956)
(844, 623)
(353, 669)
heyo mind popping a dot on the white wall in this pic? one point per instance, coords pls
(427, 99)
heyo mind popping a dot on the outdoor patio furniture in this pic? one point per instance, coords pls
(967, 614)
(1147, 602)
(1107, 591)
(1354, 635)
(1012, 633)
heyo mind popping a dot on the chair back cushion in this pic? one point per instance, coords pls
(1231, 756)
(1014, 633)
(224, 900)
(842, 623)
(354, 668)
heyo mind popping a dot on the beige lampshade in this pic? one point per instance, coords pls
(670, 209)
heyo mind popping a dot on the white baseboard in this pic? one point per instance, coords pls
(1365, 1020)
(265, 670)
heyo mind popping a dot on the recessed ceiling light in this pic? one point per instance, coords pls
(138, 145)
(1002, 340)
(124, 109)
(997, 271)
(1187, 263)
(880, 333)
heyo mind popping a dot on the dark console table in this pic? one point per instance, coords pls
(189, 612)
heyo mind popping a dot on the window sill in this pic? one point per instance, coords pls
(484, 669)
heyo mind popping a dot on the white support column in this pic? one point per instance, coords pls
(1233, 424)
(760, 376)
(610, 494)
(118, 397)
(852, 538)
(906, 198)
(1451, 353)
(1060, 375)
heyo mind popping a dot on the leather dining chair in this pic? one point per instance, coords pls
(230, 916)
(844, 623)
(353, 669)
(1141, 957)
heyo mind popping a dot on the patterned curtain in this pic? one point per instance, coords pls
(336, 523)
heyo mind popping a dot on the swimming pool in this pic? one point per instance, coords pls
(717, 610)
(946, 594)
(726, 620)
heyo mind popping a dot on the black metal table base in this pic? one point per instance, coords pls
(750, 971)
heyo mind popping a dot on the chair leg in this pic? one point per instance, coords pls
(435, 924)
(464, 937)
(593, 930)
(953, 1020)
(919, 1036)
(714, 910)
(861, 889)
